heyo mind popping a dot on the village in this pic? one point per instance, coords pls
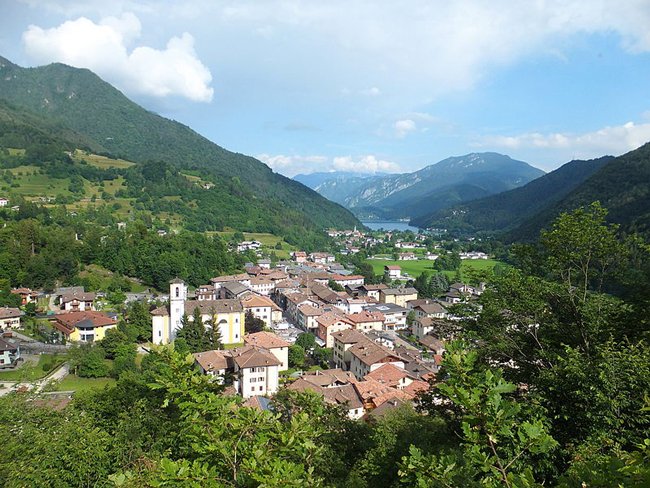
(308, 323)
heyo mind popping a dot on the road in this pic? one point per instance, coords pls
(38, 385)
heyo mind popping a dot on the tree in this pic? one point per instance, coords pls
(214, 338)
(423, 285)
(87, 361)
(306, 340)
(194, 332)
(582, 249)
(499, 438)
(253, 324)
(113, 339)
(333, 285)
(296, 356)
(124, 359)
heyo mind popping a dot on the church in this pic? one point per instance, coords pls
(227, 314)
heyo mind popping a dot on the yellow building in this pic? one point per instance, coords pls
(228, 315)
(88, 326)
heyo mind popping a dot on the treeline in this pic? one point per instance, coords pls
(41, 254)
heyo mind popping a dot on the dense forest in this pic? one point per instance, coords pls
(548, 384)
(43, 248)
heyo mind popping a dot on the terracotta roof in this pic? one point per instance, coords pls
(258, 403)
(414, 388)
(267, 340)
(350, 336)
(329, 377)
(370, 389)
(380, 286)
(253, 357)
(7, 346)
(211, 360)
(228, 278)
(432, 308)
(82, 297)
(66, 322)
(365, 316)
(9, 313)
(254, 300)
(330, 318)
(371, 353)
(160, 311)
(262, 281)
(345, 395)
(393, 267)
(309, 310)
(388, 374)
(399, 291)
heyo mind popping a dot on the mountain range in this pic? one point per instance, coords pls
(621, 184)
(78, 109)
(417, 194)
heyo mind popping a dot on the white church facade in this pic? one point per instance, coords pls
(228, 315)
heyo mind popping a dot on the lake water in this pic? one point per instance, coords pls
(389, 225)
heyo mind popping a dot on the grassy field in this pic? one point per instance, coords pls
(29, 371)
(32, 183)
(101, 161)
(101, 278)
(75, 383)
(415, 268)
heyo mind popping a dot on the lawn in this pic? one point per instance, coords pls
(101, 161)
(29, 371)
(415, 268)
(75, 383)
(31, 182)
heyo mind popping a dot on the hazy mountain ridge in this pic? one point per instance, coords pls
(448, 182)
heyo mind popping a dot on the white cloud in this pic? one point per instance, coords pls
(403, 127)
(364, 164)
(293, 165)
(371, 92)
(608, 140)
(104, 48)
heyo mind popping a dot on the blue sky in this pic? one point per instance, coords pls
(364, 85)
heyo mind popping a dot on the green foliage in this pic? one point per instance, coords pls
(333, 285)
(46, 448)
(113, 339)
(296, 356)
(87, 361)
(306, 340)
(499, 439)
(253, 324)
(582, 249)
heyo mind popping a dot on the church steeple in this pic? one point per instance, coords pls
(177, 297)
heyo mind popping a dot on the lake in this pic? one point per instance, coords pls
(389, 225)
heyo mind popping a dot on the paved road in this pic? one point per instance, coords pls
(38, 385)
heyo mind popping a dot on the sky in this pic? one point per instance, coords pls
(364, 86)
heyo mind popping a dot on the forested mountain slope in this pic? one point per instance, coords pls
(622, 185)
(76, 100)
(507, 209)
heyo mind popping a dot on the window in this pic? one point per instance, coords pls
(253, 380)
(178, 291)
(261, 388)
(160, 333)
